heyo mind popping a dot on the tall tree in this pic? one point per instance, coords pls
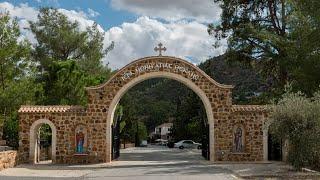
(256, 30)
(305, 51)
(13, 54)
(60, 40)
(17, 85)
(276, 36)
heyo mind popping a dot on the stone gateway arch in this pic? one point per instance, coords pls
(237, 132)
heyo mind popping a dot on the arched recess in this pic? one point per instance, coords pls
(163, 74)
(33, 139)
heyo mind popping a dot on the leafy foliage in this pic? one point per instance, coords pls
(304, 51)
(10, 130)
(64, 60)
(297, 119)
(17, 84)
(60, 39)
(69, 58)
(66, 82)
(157, 101)
(191, 118)
(256, 30)
(277, 37)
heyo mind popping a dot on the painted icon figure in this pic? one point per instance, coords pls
(80, 142)
(238, 140)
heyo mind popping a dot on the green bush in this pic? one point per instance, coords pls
(10, 130)
(297, 118)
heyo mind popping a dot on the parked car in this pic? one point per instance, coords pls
(187, 144)
(144, 143)
(161, 142)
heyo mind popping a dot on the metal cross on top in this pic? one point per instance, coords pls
(160, 49)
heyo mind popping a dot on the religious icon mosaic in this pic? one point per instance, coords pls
(81, 139)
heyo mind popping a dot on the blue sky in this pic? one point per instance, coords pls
(135, 26)
(108, 17)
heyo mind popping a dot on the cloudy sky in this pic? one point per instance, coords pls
(136, 26)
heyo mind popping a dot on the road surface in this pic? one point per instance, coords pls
(149, 163)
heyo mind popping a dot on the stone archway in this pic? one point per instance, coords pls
(97, 116)
(205, 100)
(215, 97)
(33, 140)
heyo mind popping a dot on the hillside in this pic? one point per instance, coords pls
(246, 81)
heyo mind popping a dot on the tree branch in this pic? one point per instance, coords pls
(272, 15)
(283, 16)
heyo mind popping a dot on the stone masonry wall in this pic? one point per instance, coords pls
(252, 121)
(65, 123)
(8, 159)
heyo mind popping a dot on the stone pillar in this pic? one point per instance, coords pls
(285, 150)
(265, 144)
(211, 143)
(265, 130)
(108, 144)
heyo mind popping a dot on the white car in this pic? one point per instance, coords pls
(144, 143)
(187, 144)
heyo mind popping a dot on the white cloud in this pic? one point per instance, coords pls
(188, 40)
(22, 11)
(185, 39)
(81, 17)
(172, 10)
(25, 13)
(93, 13)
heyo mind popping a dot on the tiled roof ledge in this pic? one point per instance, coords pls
(236, 108)
(50, 109)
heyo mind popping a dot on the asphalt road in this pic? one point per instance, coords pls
(150, 163)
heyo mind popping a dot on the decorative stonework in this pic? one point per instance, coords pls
(97, 117)
(8, 159)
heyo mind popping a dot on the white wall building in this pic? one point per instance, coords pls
(163, 131)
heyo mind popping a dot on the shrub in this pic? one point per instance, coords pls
(297, 119)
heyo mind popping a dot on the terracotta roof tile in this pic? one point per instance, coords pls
(249, 108)
(48, 109)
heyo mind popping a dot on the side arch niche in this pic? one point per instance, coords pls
(34, 140)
